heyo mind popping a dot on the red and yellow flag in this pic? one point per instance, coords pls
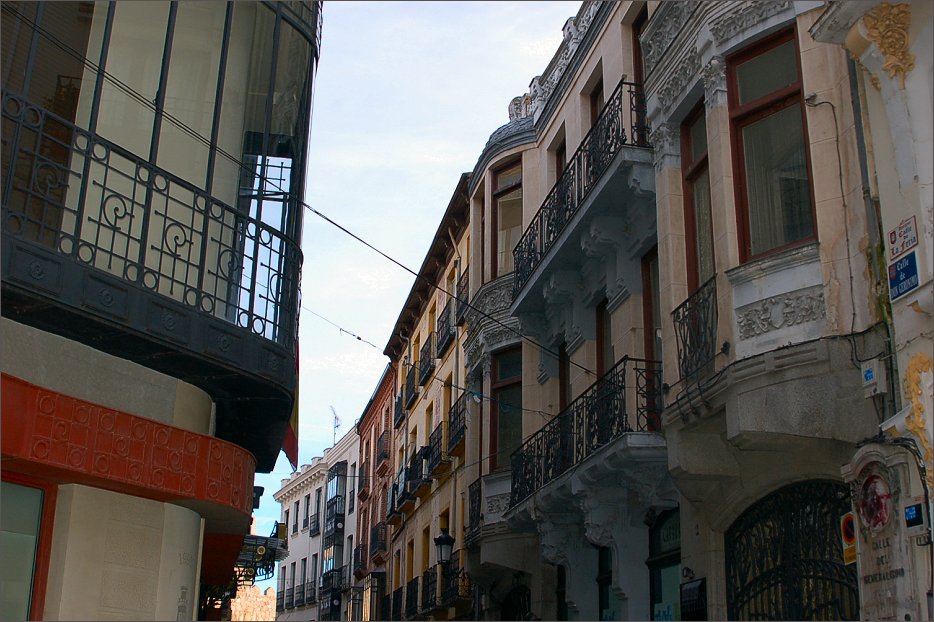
(290, 440)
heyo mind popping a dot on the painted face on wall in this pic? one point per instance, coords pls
(875, 503)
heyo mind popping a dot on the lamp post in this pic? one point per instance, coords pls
(445, 544)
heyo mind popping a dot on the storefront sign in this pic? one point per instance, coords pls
(903, 276)
(903, 238)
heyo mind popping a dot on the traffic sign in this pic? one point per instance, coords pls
(848, 537)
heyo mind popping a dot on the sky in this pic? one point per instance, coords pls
(406, 96)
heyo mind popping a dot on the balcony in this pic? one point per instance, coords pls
(334, 516)
(304, 523)
(411, 392)
(426, 359)
(411, 599)
(360, 560)
(439, 462)
(398, 598)
(101, 246)
(314, 524)
(463, 298)
(474, 510)
(363, 488)
(626, 399)
(383, 446)
(429, 590)
(417, 478)
(300, 595)
(331, 580)
(393, 507)
(290, 598)
(379, 540)
(457, 426)
(445, 330)
(311, 592)
(695, 322)
(456, 587)
(280, 600)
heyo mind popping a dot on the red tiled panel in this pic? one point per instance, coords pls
(70, 440)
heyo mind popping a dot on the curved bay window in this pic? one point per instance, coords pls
(775, 206)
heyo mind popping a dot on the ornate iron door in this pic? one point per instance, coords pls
(784, 559)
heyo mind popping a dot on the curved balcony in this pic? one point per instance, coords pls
(105, 248)
(695, 322)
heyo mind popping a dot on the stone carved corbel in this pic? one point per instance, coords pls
(887, 26)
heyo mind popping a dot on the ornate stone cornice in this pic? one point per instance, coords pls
(665, 26)
(887, 26)
(666, 140)
(797, 307)
(714, 76)
(687, 71)
(749, 14)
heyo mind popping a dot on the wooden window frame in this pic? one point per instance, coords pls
(496, 384)
(497, 193)
(744, 115)
(691, 169)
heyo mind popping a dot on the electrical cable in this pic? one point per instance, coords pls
(269, 183)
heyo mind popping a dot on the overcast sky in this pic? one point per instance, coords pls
(407, 94)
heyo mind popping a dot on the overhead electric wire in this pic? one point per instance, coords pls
(243, 166)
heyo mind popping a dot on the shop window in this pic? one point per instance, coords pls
(774, 201)
(664, 564)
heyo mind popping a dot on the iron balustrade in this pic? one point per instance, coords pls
(695, 322)
(411, 598)
(300, 595)
(398, 596)
(383, 443)
(601, 414)
(280, 600)
(378, 539)
(289, 597)
(331, 580)
(360, 558)
(426, 359)
(463, 298)
(584, 170)
(334, 515)
(474, 498)
(429, 589)
(411, 392)
(314, 524)
(363, 487)
(455, 583)
(438, 446)
(457, 422)
(311, 594)
(417, 468)
(445, 329)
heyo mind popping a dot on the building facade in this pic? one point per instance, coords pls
(315, 580)
(149, 295)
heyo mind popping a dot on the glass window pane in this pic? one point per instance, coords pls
(767, 72)
(20, 514)
(777, 186)
(135, 59)
(191, 89)
(508, 422)
(16, 38)
(510, 176)
(704, 227)
(509, 219)
(698, 137)
(509, 365)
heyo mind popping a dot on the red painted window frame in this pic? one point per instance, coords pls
(44, 545)
(756, 110)
(690, 171)
(497, 383)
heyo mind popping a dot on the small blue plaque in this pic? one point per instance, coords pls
(903, 276)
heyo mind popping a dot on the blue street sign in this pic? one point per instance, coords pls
(903, 276)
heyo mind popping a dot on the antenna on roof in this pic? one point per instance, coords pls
(337, 424)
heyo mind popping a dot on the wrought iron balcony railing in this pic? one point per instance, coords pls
(426, 359)
(455, 583)
(314, 524)
(300, 595)
(429, 589)
(598, 416)
(417, 469)
(331, 580)
(411, 598)
(584, 170)
(446, 331)
(398, 598)
(201, 288)
(305, 522)
(379, 539)
(360, 558)
(695, 322)
(363, 485)
(411, 392)
(280, 600)
(474, 511)
(334, 516)
(463, 298)
(311, 592)
(458, 423)
(438, 448)
(289, 597)
(383, 445)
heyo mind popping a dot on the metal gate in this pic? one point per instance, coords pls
(784, 559)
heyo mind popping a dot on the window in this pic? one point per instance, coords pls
(307, 509)
(606, 355)
(304, 571)
(596, 101)
(561, 159)
(506, 407)
(314, 568)
(697, 215)
(26, 511)
(295, 518)
(774, 202)
(664, 564)
(507, 216)
(285, 519)
(564, 376)
(608, 605)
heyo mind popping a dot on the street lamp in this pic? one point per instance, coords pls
(445, 544)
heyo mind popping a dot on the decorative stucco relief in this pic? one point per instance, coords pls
(887, 26)
(919, 382)
(714, 76)
(684, 75)
(797, 307)
(666, 140)
(670, 19)
(497, 504)
(750, 14)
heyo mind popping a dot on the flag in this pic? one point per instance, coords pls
(290, 441)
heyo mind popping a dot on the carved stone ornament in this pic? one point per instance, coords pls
(887, 26)
(750, 14)
(918, 383)
(557, 538)
(520, 107)
(797, 307)
(685, 74)
(497, 504)
(666, 140)
(671, 18)
(714, 75)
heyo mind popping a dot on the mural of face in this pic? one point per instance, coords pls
(875, 503)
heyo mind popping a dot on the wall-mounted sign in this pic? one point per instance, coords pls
(903, 238)
(903, 275)
(848, 538)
